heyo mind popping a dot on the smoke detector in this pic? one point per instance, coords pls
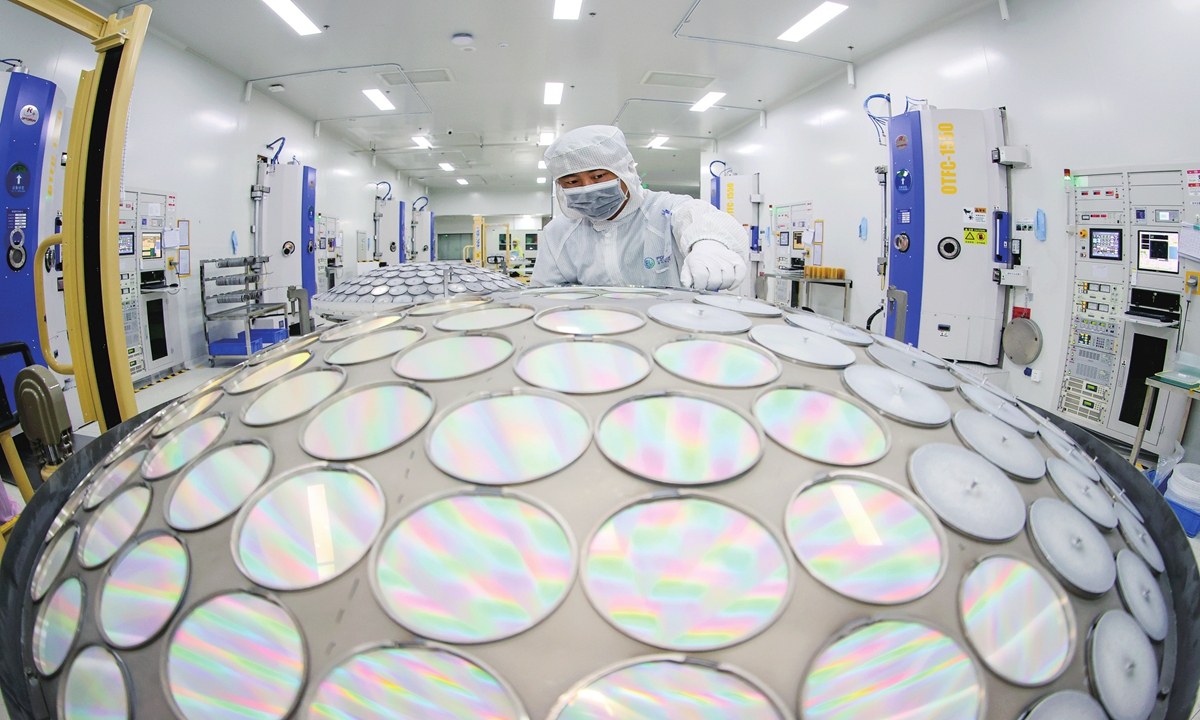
(462, 39)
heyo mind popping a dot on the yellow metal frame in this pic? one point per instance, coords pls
(478, 241)
(92, 187)
(68, 14)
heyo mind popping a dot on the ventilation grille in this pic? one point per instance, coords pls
(439, 75)
(655, 77)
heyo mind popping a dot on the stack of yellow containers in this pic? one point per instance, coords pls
(818, 272)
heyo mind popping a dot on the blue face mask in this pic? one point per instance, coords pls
(598, 202)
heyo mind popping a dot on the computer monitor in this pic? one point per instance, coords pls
(1158, 251)
(1104, 244)
(125, 243)
(151, 245)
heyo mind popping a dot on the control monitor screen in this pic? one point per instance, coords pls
(1104, 244)
(1158, 251)
(151, 245)
(125, 244)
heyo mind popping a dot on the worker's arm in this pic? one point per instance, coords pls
(714, 248)
(694, 220)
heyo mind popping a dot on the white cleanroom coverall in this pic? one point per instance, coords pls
(652, 242)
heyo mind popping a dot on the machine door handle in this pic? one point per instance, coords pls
(39, 300)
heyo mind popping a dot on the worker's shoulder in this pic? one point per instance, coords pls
(657, 199)
(559, 225)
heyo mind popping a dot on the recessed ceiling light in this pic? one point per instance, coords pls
(293, 16)
(463, 181)
(658, 142)
(276, 88)
(541, 164)
(422, 142)
(446, 166)
(707, 101)
(810, 22)
(541, 181)
(567, 9)
(553, 93)
(545, 138)
(380, 100)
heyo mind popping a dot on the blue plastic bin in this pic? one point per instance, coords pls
(234, 346)
(1188, 518)
(268, 336)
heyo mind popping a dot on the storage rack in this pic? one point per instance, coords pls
(248, 281)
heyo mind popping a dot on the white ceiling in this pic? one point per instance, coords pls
(486, 121)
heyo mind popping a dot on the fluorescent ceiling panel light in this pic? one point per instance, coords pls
(380, 100)
(567, 9)
(810, 22)
(658, 142)
(545, 138)
(553, 93)
(707, 101)
(446, 166)
(541, 181)
(541, 164)
(463, 181)
(292, 15)
(422, 142)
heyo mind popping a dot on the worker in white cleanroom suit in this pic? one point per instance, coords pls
(612, 231)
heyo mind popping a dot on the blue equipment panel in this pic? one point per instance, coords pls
(906, 254)
(403, 248)
(24, 128)
(308, 231)
(1002, 231)
(432, 239)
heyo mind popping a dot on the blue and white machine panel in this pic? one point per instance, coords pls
(308, 231)
(949, 232)
(24, 128)
(906, 256)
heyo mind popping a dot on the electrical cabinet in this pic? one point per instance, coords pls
(328, 266)
(1128, 313)
(151, 292)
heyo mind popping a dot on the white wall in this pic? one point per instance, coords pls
(191, 134)
(488, 203)
(1087, 83)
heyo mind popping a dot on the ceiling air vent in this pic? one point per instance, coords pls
(439, 75)
(655, 77)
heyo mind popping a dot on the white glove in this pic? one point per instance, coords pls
(712, 266)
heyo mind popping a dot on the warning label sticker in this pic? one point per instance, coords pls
(975, 216)
(974, 236)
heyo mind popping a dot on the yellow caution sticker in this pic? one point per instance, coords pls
(974, 236)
